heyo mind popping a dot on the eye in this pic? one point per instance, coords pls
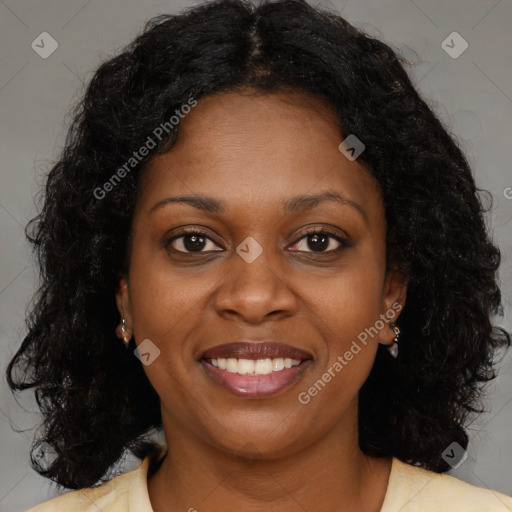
(189, 241)
(192, 240)
(321, 239)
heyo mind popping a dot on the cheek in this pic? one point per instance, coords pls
(344, 324)
(164, 310)
(346, 309)
(163, 302)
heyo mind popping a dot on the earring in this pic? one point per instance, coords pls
(393, 349)
(122, 333)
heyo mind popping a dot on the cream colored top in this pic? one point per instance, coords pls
(410, 489)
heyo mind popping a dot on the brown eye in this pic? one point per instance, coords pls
(319, 240)
(190, 241)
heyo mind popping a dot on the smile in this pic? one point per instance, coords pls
(256, 385)
(252, 369)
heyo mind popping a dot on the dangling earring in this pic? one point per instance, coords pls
(122, 333)
(393, 349)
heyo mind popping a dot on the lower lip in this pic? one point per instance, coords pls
(256, 386)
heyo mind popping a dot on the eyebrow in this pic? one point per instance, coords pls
(293, 205)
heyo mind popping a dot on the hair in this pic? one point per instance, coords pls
(412, 407)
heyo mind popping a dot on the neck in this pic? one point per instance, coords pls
(332, 471)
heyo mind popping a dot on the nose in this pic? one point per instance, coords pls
(255, 291)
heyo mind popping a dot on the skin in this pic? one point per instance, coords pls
(253, 152)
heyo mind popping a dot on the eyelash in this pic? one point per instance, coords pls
(344, 243)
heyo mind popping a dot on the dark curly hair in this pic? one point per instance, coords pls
(95, 397)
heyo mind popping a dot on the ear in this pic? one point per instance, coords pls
(123, 302)
(393, 301)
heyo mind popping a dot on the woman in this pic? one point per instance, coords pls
(260, 240)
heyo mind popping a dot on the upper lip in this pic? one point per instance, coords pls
(261, 349)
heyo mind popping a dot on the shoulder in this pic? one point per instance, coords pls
(121, 494)
(413, 489)
(111, 496)
(107, 497)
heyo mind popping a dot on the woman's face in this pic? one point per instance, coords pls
(256, 274)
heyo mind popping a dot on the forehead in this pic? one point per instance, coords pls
(255, 151)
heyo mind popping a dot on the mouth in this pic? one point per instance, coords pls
(255, 370)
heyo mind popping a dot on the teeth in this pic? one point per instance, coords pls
(232, 365)
(245, 366)
(262, 366)
(254, 367)
(277, 364)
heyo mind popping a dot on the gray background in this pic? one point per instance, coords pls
(472, 94)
